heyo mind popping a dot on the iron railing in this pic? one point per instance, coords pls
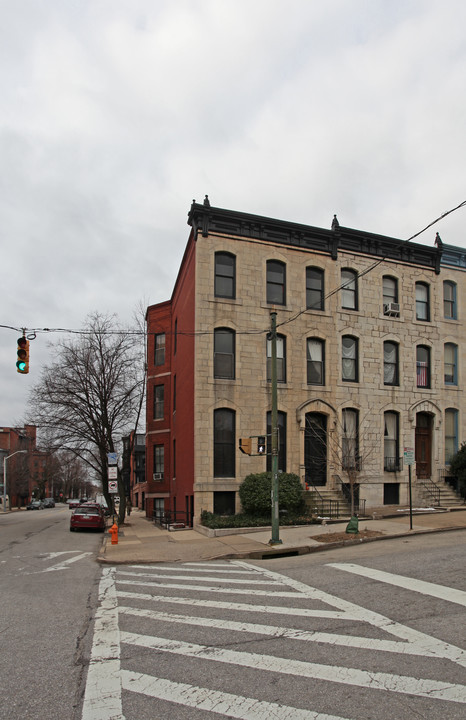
(431, 488)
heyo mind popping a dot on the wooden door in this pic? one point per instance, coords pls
(423, 445)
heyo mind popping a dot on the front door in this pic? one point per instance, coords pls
(423, 445)
(315, 448)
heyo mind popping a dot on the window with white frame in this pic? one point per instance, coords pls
(390, 363)
(349, 362)
(315, 361)
(391, 450)
(450, 364)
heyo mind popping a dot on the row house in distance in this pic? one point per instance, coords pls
(371, 336)
(25, 464)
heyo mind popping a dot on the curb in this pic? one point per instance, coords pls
(276, 552)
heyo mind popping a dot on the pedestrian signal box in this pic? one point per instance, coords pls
(245, 445)
(261, 446)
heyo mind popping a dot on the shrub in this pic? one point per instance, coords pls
(255, 493)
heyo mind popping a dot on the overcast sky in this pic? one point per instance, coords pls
(115, 114)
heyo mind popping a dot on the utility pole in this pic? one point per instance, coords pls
(275, 539)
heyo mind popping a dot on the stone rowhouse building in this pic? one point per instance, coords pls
(371, 333)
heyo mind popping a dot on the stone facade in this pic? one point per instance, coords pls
(420, 411)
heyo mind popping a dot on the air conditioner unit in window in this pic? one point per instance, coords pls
(157, 476)
(392, 309)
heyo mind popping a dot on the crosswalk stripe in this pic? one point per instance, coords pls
(243, 607)
(236, 581)
(212, 589)
(221, 703)
(421, 586)
(432, 689)
(189, 567)
(403, 648)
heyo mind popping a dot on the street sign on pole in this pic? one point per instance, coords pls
(112, 487)
(409, 456)
(112, 458)
(112, 472)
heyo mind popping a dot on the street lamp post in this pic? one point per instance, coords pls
(4, 475)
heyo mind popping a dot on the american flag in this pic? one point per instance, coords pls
(421, 374)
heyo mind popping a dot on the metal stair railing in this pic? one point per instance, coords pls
(431, 488)
(325, 506)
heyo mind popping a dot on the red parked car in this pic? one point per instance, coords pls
(87, 517)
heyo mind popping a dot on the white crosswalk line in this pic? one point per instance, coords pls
(432, 689)
(421, 586)
(221, 703)
(177, 576)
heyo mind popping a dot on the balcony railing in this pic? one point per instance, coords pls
(392, 464)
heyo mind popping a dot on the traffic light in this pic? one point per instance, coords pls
(261, 447)
(22, 361)
(245, 445)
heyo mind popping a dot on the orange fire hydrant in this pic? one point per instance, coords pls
(114, 533)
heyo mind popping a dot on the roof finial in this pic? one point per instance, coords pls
(206, 201)
(335, 223)
(438, 241)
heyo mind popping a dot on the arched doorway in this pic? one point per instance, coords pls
(423, 445)
(315, 448)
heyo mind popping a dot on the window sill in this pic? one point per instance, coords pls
(228, 301)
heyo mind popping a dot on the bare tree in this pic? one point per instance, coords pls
(91, 395)
(346, 449)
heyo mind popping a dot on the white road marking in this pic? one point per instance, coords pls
(64, 565)
(221, 703)
(102, 698)
(427, 642)
(426, 588)
(432, 689)
(245, 607)
(212, 589)
(195, 566)
(236, 581)
(365, 643)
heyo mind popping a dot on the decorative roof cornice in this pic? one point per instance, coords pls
(205, 219)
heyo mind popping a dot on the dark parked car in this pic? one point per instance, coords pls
(49, 502)
(35, 505)
(87, 517)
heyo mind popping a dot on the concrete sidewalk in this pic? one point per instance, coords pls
(141, 541)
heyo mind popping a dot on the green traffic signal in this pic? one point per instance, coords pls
(22, 362)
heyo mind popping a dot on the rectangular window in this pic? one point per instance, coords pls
(422, 366)
(224, 353)
(224, 502)
(391, 460)
(276, 285)
(224, 443)
(390, 363)
(422, 302)
(349, 290)
(281, 359)
(450, 364)
(451, 434)
(350, 440)
(314, 288)
(449, 300)
(349, 359)
(160, 349)
(159, 392)
(225, 275)
(159, 462)
(315, 362)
